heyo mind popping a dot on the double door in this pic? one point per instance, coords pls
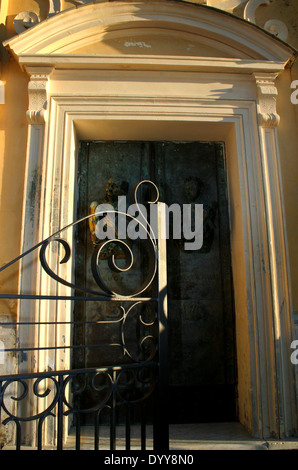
(202, 369)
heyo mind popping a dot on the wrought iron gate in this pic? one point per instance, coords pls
(45, 408)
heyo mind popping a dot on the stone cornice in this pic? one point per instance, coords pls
(79, 27)
(148, 62)
(27, 19)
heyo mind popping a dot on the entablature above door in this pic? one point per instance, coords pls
(154, 28)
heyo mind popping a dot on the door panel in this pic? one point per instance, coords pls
(106, 170)
(200, 302)
(200, 305)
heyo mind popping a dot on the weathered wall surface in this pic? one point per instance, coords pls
(13, 134)
(13, 124)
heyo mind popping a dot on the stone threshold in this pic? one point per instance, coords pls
(183, 437)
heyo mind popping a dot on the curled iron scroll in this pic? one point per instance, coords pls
(52, 393)
(153, 200)
(149, 243)
(146, 347)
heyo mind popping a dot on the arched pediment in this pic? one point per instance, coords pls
(168, 27)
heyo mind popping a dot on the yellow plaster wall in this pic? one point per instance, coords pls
(283, 10)
(288, 145)
(13, 126)
(287, 11)
(167, 44)
(13, 138)
(13, 121)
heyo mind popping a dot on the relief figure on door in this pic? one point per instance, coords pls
(115, 188)
(194, 194)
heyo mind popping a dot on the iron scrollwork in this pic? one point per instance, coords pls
(37, 396)
(115, 386)
(149, 245)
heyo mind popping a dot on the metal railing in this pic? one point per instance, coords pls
(49, 407)
(124, 389)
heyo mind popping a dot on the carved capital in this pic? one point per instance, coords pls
(267, 95)
(38, 91)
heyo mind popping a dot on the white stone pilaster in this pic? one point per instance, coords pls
(277, 246)
(32, 222)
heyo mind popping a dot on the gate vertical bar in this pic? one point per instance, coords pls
(161, 424)
(60, 414)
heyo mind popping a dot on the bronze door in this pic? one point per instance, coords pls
(202, 379)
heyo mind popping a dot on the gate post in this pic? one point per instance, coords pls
(161, 420)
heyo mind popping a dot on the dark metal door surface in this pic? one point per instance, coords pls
(202, 381)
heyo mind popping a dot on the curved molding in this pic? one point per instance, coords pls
(28, 19)
(278, 28)
(273, 26)
(86, 24)
(249, 13)
(24, 21)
